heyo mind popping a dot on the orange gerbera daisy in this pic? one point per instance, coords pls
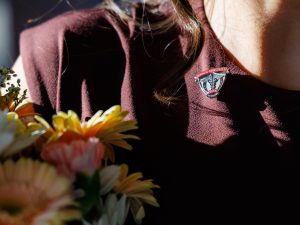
(108, 126)
(26, 112)
(32, 193)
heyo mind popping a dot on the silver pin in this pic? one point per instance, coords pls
(212, 80)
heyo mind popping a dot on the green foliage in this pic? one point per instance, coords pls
(89, 202)
(13, 96)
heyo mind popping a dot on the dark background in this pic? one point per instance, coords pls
(37, 11)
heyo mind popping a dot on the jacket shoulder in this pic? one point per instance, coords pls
(64, 53)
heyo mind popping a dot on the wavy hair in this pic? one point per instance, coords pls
(183, 17)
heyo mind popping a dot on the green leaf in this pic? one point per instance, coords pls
(90, 204)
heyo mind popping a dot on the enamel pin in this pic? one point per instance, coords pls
(212, 80)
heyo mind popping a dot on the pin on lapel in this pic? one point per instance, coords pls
(212, 80)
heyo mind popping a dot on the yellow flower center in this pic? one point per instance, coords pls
(17, 204)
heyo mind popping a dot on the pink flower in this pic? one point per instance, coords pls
(76, 156)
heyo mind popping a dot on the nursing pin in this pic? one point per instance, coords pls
(211, 81)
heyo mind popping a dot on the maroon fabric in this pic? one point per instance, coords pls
(227, 158)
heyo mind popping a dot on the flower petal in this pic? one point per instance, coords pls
(137, 210)
(5, 140)
(21, 143)
(108, 178)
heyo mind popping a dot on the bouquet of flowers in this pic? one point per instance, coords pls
(64, 171)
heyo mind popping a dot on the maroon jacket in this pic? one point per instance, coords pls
(219, 159)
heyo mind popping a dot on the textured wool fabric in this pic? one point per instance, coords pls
(233, 158)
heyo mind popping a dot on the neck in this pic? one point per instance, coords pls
(262, 35)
